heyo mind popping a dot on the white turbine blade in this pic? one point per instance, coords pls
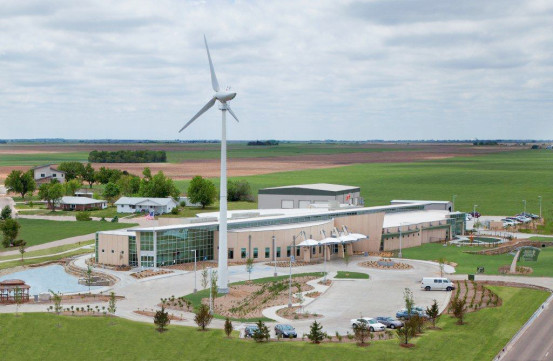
(214, 82)
(232, 113)
(203, 110)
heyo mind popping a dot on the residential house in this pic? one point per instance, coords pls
(45, 173)
(145, 205)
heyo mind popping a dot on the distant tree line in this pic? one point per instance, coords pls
(263, 142)
(485, 142)
(128, 156)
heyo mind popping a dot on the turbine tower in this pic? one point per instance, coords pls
(223, 97)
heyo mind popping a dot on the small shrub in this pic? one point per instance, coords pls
(228, 327)
(161, 319)
(83, 216)
(316, 334)
(261, 334)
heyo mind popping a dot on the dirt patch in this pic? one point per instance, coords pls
(386, 264)
(520, 270)
(295, 313)
(151, 314)
(250, 299)
(314, 294)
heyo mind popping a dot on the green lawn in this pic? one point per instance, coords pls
(497, 183)
(48, 251)
(109, 212)
(39, 231)
(35, 159)
(27, 262)
(351, 275)
(467, 263)
(35, 336)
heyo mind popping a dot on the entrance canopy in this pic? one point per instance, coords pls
(309, 243)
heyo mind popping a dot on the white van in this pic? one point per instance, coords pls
(437, 283)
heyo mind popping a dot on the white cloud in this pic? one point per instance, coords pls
(386, 69)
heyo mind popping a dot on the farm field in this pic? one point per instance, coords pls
(497, 183)
(467, 263)
(484, 334)
(39, 231)
(188, 160)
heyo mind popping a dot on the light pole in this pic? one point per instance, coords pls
(474, 215)
(195, 288)
(539, 199)
(210, 291)
(274, 257)
(524, 202)
(290, 284)
(400, 254)
(454, 196)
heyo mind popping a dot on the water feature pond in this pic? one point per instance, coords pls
(52, 277)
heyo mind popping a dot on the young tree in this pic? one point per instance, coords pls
(417, 323)
(249, 268)
(88, 277)
(239, 190)
(203, 317)
(362, 333)
(22, 245)
(10, 230)
(459, 309)
(205, 278)
(228, 327)
(213, 285)
(406, 332)
(316, 334)
(111, 191)
(72, 170)
(89, 175)
(112, 307)
(262, 333)
(201, 191)
(129, 185)
(442, 261)
(6, 213)
(20, 182)
(433, 312)
(409, 301)
(161, 319)
(17, 299)
(57, 302)
(51, 193)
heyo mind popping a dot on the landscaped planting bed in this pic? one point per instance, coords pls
(476, 296)
(387, 264)
(296, 313)
(149, 273)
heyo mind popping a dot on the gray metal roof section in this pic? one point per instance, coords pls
(311, 189)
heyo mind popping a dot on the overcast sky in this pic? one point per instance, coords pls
(325, 69)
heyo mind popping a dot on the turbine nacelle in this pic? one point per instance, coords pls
(224, 96)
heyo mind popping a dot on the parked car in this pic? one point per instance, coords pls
(372, 324)
(508, 223)
(404, 315)
(437, 283)
(249, 331)
(285, 331)
(390, 322)
(524, 219)
(475, 214)
(530, 215)
(517, 221)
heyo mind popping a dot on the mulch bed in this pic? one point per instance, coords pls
(520, 270)
(396, 266)
(476, 296)
(200, 265)
(149, 273)
(294, 313)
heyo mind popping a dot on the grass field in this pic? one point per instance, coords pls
(351, 275)
(39, 231)
(467, 263)
(109, 212)
(497, 183)
(27, 262)
(48, 251)
(35, 336)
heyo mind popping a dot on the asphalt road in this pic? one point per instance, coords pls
(536, 343)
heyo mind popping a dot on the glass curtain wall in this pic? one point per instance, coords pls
(176, 246)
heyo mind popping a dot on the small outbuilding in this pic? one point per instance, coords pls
(307, 195)
(68, 203)
(145, 205)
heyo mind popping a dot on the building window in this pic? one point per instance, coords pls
(314, 249)
(336, 248)
(288, 251)
(42, 175)
(54, 175)
(102, 251)
(112, 251)
(267, 252)
(243, 253)
(278, 252)
(255, 253)
(297, 251)
(231, 253)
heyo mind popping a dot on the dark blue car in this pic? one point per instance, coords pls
(285, 331)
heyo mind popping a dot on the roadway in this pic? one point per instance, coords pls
(536, 344)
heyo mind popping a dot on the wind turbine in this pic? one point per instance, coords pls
(223, 96)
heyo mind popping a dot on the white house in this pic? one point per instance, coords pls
(146, 205)
(45, 173)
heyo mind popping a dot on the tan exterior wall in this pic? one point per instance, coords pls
(433, 235)
(264, 238)
(369, 224)
(112, 246)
